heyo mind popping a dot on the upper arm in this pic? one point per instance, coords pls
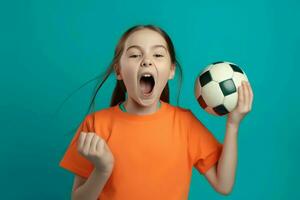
(78, 181)
(211, 176)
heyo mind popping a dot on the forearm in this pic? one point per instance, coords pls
(228, 160)
(93, 186)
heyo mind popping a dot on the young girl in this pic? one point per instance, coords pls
(142, 147)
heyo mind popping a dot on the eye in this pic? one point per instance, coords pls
(134, 56)
(158, 55)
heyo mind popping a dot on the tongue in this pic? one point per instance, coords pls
(145, 86)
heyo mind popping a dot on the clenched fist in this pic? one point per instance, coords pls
(95, 149)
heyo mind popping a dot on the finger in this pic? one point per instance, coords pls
(81, 139)
(87, 142)
(105, 145)
(100, 145)
(246, 95)
(94, 142)
(251, 95)
(241, 96)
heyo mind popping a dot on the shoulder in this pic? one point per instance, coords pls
(103, 115)
(179, 111)
(104, 112)
(185, 115)
(100, 121)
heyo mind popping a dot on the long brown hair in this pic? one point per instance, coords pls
(119, 93)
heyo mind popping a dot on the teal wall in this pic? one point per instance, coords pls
(50, 48)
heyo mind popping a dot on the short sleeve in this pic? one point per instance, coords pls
(204, 148)
(72, 160)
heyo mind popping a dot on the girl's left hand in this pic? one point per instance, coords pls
(244, 105)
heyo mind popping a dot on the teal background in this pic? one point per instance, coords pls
(50, 48)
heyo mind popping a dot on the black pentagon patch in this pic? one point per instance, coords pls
(235, 68)
(227, 87)
(221, 110)
(218, 62)
(205, 78)
(202, 102)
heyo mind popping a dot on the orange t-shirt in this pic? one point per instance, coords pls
(154, 154)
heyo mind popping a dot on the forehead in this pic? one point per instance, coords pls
(145, 38)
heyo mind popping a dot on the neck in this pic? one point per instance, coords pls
(133, 107)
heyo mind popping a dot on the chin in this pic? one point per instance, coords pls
(146, 101)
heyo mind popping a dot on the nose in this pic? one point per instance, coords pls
(146, 62)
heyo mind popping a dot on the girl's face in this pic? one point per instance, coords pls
(145, 51)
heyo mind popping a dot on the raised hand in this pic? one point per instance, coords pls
(244, 105)
(94, 148)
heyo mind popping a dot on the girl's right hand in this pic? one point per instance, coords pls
(95, 149)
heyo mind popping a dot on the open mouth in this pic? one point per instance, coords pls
(147, 84)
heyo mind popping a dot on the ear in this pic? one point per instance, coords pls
(117, 71)
(172, 72)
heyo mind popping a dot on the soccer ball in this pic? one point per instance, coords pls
(216, 87)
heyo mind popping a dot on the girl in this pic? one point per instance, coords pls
(142, 147)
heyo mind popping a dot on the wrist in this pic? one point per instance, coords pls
(233, 125)
(103, 172)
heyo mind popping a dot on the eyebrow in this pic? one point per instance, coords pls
(154, 46)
